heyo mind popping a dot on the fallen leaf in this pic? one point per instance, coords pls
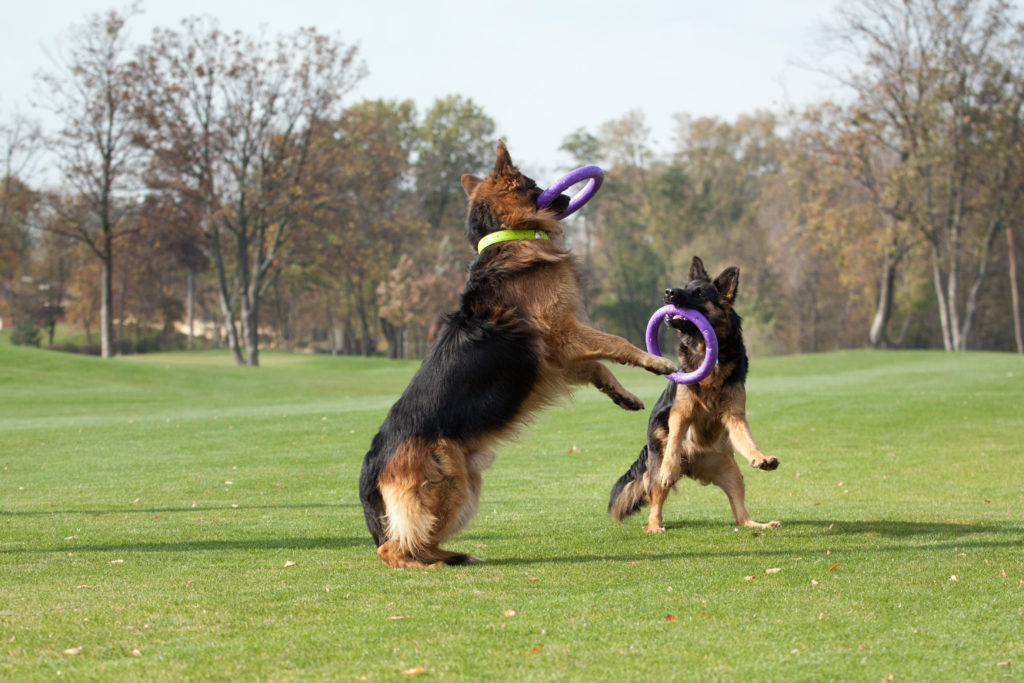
(962, 555)
(84, 585)
(1003, 572)
(397, 617)
(73, 651)
(773, 570)
(1006, 663)
(136, 653)
(415, 671)
(833, 567)
(813, 582)
(794, 651)
(117, 562)
(953, 578)
(509, 613)
(532, 579)
(889, 679)
(70, 538)
(536, 649)
(670, 617)
(289, 563)
(749, 578)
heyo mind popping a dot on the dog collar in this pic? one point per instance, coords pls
(508, 236)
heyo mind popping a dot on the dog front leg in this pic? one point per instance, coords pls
(670, 469)
(734, 417)
(593, 372)
(582, 343)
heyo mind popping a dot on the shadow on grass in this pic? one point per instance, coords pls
(879, 527)
(152, 510)
(912, 536)
(312, 543)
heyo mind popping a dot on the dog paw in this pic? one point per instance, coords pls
(628, 401)
(766, 463)
(654, 529)
(751, 524)
(662, 366)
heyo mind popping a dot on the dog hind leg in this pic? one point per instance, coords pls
(425, 487)
(593, 372)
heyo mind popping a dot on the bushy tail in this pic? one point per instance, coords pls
(629, 491)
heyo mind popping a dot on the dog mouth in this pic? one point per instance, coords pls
(682, 324)
(559, 203)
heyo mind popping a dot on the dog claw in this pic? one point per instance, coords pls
(767, 464)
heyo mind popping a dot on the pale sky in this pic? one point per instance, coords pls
(539, 69)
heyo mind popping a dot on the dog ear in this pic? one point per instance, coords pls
(697, 271)
(503, 161)
(727, 284)
(470, 183)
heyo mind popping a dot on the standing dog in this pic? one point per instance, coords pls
(695, 427)
(516, 344)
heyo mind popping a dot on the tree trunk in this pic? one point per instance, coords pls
(1014, 294)
(250, 331)
(190, 305)
(225, 298)
(947, 340)
(106, 307)
(883, 311)
(967, 326)
(121, 306)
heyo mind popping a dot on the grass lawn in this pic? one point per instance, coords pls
(176, 517)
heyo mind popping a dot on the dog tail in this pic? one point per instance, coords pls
(630, 492)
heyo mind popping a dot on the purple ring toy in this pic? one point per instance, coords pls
(593, 173)
(710, 342)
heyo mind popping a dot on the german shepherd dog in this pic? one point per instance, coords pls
(517, 342)
(694, 428)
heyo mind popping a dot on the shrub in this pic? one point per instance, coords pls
(26, 333)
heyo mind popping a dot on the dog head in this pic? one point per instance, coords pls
(507, 200)
(714, 299)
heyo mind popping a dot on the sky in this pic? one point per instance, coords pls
(541, 70)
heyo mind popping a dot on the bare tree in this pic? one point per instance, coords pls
(230, 120)
(939, 85)
(90, 92)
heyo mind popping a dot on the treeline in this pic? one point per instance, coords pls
(225, 182)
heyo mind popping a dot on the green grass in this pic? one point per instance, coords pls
(151, 503)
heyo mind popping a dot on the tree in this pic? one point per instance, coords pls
(90, 91)
(939, 87)
(369, 217)
(851, 207)
(231, 119)
(456, 137)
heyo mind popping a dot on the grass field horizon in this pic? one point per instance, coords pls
(175, 517)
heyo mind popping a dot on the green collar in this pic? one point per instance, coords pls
(509, 235)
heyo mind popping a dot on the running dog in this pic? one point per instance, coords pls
(694, 428)
(516, 344)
